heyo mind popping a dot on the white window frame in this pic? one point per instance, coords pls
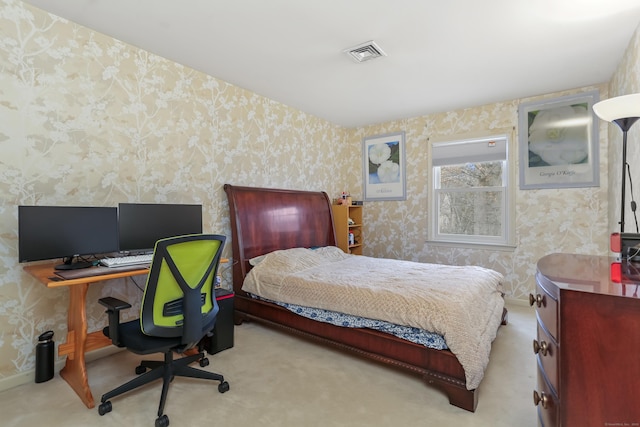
(457, 143)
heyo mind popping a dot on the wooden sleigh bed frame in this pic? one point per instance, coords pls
(264, 220)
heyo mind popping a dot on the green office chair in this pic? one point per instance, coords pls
(178, 309)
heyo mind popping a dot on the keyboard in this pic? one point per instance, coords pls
(127, 260)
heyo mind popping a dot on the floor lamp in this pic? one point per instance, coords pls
(623, 111)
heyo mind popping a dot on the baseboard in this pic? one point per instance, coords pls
(518, 302)
(29, 376)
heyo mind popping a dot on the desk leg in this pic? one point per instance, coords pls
(75, 369)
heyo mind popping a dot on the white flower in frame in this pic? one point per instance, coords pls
(389, 172)
(379, 153)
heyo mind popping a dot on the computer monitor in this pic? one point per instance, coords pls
(141, 225)
(51, 232)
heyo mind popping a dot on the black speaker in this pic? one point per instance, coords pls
(629, 246)
(222, 338)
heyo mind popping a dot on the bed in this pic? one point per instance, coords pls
(267, 222)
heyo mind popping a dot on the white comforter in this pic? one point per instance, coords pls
(463, 304)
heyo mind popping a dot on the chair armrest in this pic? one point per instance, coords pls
(114, 305)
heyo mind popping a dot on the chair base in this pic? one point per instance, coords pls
(167, 370)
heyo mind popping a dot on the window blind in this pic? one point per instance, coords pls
(469, 151)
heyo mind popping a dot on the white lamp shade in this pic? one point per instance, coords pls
(620, 107)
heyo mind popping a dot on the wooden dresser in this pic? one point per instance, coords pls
(588, 341)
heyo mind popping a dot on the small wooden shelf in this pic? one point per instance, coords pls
(341, 215)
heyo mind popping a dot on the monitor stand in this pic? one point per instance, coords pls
(70, 265)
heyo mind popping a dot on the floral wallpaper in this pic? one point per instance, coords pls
(89, 120)
(547, 221)
(625, 81)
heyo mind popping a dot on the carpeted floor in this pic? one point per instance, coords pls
(280, 380)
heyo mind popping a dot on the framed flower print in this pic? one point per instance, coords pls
(384, 174)
(558, 142)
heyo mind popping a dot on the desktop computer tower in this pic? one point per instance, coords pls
(222, 338)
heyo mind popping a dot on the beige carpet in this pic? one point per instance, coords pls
(280, 380)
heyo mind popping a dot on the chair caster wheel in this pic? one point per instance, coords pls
(204, 362)
(105, 408)
(223, 387)
(140, 369)
(162, 421)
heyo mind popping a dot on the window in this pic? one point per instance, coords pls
(470, 200)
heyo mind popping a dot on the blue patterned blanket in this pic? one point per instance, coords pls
(415, 335)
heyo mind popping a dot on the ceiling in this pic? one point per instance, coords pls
(441, 55)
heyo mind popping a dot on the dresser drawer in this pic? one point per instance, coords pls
(546, 350)
(546, 310)
(548, 407)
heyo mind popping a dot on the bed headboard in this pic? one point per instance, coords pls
(264, 220)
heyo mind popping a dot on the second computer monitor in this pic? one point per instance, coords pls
(141, 225)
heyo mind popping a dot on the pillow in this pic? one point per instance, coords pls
(256, 260)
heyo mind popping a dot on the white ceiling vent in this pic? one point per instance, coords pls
(365, 51)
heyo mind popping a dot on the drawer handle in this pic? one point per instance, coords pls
(540, 347)
(538, 300)
(541, 398)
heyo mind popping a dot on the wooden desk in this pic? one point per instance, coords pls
(78, 341)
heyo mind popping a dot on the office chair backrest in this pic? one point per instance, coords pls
(179, 298)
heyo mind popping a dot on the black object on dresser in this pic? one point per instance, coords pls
(588, 342)
(222, 337)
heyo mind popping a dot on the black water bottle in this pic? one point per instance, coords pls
(44, 357)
